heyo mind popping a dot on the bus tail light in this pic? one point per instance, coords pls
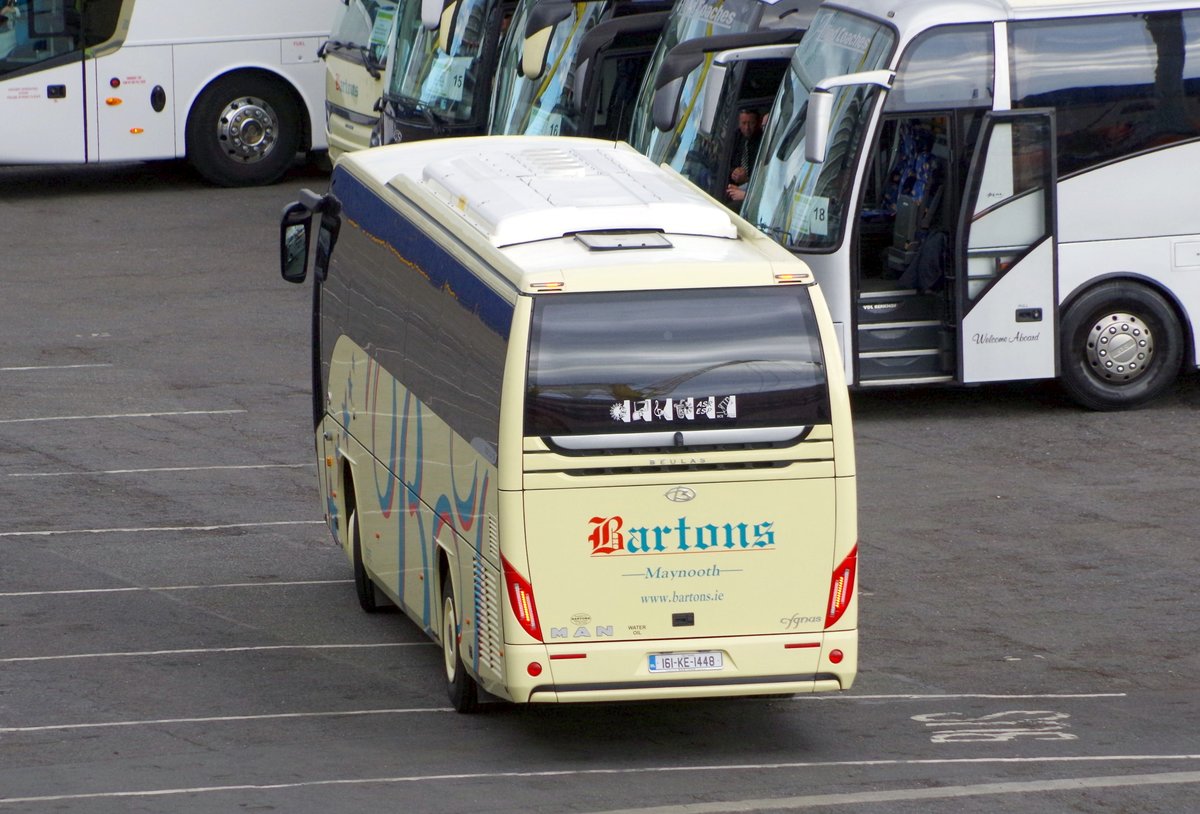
(841, 588)
(520, 594)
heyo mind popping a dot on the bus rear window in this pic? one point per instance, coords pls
(680, 360)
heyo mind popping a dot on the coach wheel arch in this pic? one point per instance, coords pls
(1122, 345)
(370, 598)
(245, 129)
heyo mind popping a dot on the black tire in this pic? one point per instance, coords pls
(244, 130)
(370, 598)
(1122, 346)
(462, 689)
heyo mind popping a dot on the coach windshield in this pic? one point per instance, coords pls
(800, 204)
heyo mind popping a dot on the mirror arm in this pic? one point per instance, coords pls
(820, 107)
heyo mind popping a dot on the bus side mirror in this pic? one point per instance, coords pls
(668, 83)
(664, 106)
(534, 52)
(446, 26)
(431, 13)
(714, 89)
(820, 110)
(539, 28)
(294, 228)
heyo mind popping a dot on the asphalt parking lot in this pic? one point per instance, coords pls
(178, 632)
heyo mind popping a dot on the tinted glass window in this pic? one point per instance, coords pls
(365, 24)
(948, 67)
(1119, 84)
(674, 360)
(803, 205)
(443, 82)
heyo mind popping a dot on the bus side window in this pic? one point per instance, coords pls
(100, 21)
(1106, 109)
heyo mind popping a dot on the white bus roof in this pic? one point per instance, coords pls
(519, 189)
(583, 213)
(925, 13)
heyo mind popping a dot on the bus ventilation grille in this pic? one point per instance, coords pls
(487, 614)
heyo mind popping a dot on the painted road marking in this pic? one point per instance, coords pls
(16, 369)
(143, 530)
(1070, 784)
(997, 727)
(226, 719)
(117, 415)
(955, 696)
(159, 469)
(161, 588)
(188, 651)
(924, 793)
(218, 719)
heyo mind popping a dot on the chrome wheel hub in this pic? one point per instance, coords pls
(1119, 347)
(247, 129)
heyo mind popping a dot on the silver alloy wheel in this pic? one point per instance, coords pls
(247, 129)
(1120, 347)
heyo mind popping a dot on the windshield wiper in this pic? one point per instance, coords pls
(368, 59)
(436, 123)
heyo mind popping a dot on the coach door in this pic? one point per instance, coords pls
(42, 95)
(1006, 286)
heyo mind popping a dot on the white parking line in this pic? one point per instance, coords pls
(957, 696)
(189, 651)
(365, 712)
(923, 793)
(147, 529)
(96, 472)
(1115, 781)
(157, 722)
(116, 415)
(160, 588)
(4, 730)
(16, 369)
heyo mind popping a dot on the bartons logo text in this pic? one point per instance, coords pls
(611, 535)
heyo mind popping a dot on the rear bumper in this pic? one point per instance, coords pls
(620, 671)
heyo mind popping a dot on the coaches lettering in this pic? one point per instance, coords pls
(606, 536)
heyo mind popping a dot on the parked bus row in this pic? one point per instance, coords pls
(555, 67)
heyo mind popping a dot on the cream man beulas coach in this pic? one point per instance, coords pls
(585, 426)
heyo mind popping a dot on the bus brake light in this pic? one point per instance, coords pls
(841, 588)
(520, 595)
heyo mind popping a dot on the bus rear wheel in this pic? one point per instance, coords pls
(463, 692)
(244, 130)
(1121, 346)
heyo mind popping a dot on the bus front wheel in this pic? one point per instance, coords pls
(464, 694)
(370, 598)
(244, 130)
(1121, 346)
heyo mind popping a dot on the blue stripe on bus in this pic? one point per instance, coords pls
(443, 271)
